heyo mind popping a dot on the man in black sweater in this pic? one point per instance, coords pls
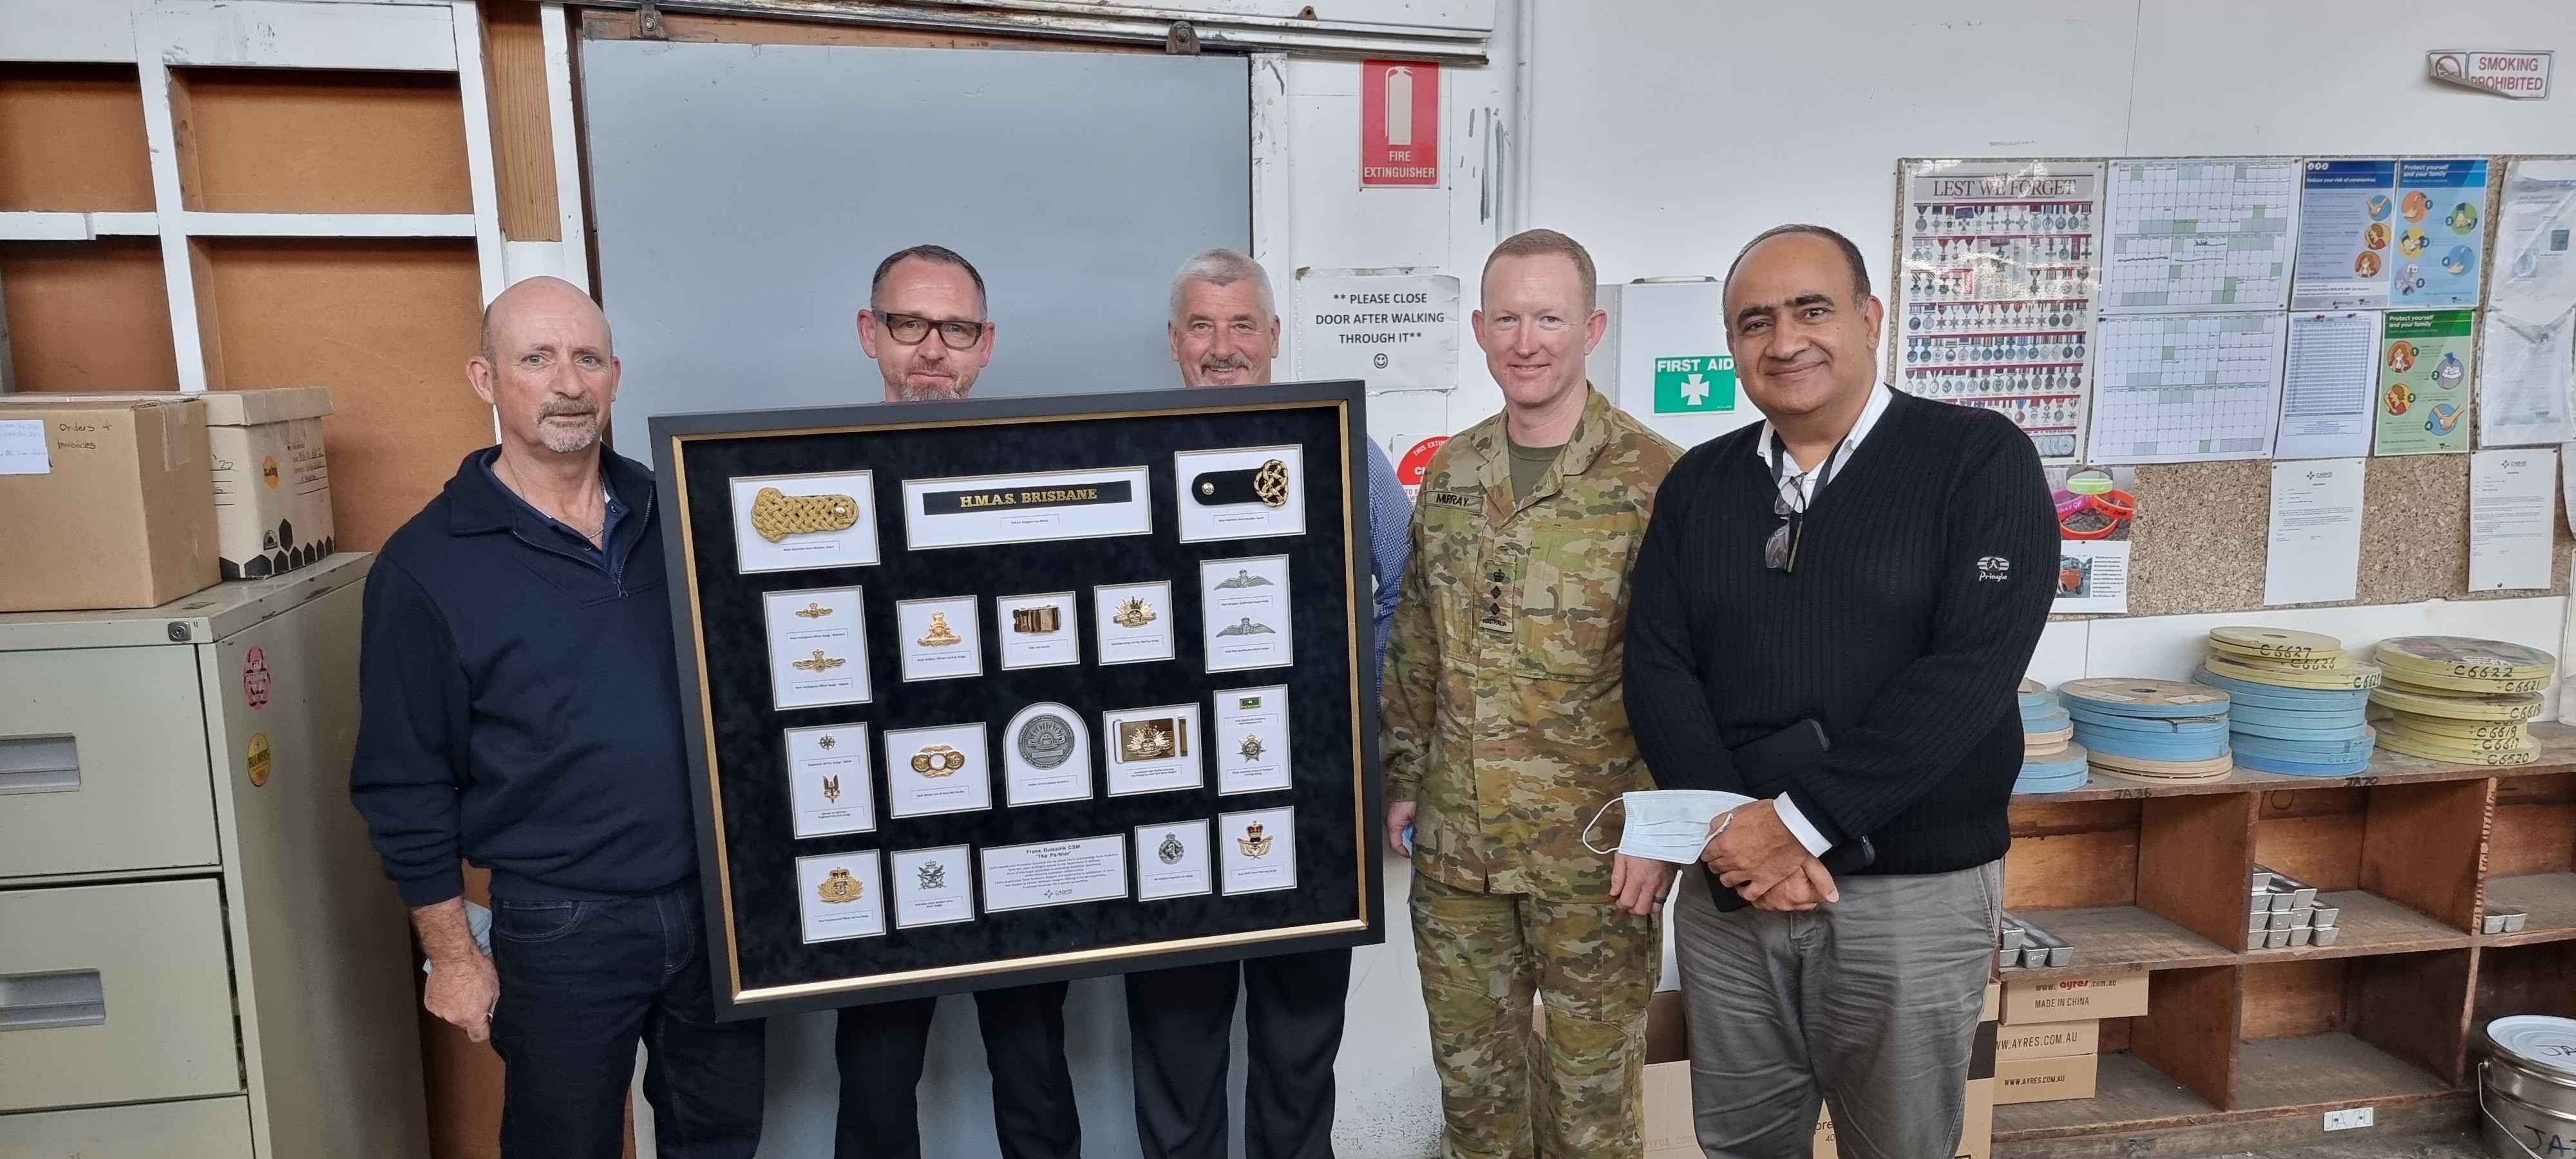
(520, 709)
(1831, 611)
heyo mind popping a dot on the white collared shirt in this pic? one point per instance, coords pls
(1806, 484)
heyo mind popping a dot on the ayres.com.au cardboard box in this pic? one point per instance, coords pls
(2110, 995)
(105, 503)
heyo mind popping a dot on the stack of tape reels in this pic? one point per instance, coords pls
(2150, 730)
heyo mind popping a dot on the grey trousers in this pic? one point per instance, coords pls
(1870, 1003)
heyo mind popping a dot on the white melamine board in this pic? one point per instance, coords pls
(474, 95)
(199, 223)
(573, 232)
(60, 30)
(279, 34)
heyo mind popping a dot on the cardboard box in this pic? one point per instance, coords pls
(107, 503)
(1670, 1133)
(1977, 1127)
(2042, 1080)
(272, 481)
(2114, 995)
(2049, 1040)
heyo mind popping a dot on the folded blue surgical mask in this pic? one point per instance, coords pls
(1666, 824)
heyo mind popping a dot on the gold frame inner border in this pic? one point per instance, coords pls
(1364, 831)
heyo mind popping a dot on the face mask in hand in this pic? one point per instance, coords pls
(1666, 824)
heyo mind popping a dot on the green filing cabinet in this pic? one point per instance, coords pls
(198, 953)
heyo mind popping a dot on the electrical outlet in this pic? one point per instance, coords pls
(2348, 1118)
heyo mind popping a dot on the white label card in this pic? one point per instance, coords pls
(1258, 849)
(1134, 622)
(1152, 750)
(1055, 873)
(1046, 756)
(24, 449)
(940, 638)
(839, 896)
(1251, 739)
(818, 647)
(1241, 494)
(1172, 861)
(932, 886)
(1244, 603)
(827, 771)
(930, 771)
(819, 520)
(1041, 631)
(984, 509)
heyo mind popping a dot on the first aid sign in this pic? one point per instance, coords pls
(1702, 383)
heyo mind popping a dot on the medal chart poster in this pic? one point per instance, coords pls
(1997, 288)
(1039, 638)
(2425, 375)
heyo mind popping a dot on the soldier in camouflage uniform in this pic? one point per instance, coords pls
(1505, 733)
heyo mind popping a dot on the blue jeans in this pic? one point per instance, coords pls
(581, 983)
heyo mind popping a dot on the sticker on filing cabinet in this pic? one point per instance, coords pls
(255, 677)
(22, 448)
(258, 759)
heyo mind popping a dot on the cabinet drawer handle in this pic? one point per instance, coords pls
(56, 998)
(39, 764)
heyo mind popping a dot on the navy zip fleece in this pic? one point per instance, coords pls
(520, 701)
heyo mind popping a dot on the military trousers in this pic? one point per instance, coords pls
(1506, 1091)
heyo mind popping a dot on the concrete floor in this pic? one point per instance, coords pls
(2461, 1146)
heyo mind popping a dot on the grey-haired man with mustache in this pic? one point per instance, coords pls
(1224, 330)
(520, 709)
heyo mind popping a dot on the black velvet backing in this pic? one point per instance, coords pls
(748, 748)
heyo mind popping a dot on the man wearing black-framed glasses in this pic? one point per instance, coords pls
(925, 326)
(1830, 613)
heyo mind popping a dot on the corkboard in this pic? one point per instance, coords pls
(320, 141)
(2203, 530)
(71, 138)
(387, 325)
(88, 315)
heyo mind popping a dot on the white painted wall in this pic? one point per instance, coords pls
(1663, 133)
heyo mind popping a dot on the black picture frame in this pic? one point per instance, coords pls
(759, 962)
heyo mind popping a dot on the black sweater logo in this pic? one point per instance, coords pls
(1993, 569)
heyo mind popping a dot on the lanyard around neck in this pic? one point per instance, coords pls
(1780, 461)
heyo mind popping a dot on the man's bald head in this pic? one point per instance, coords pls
(541, 295)
(546, 367)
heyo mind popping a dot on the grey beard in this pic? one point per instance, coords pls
(582, 438)
(907, 392)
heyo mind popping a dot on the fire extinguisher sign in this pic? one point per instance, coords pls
(1399, 123)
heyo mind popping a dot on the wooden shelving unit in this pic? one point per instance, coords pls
(2245, 1048)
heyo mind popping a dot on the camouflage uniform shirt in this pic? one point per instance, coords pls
(1502, 715)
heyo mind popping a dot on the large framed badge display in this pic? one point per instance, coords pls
(989, 693)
